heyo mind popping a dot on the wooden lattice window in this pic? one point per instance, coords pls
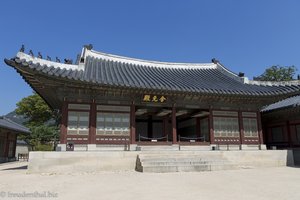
(250, 127)
(78, 123)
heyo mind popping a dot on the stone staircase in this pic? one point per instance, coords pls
(180, 162)
(157, 148)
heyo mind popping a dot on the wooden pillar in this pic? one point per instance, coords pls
(93, 123)
(198, 128)
(266, 134)
(15, 145)
(64, 122)
(288, 128)
(165, 126)
(211, 127)
(259, 126)
(241, 126)
(132, 124)
(150, 126)
(6, 146)
(174, 128)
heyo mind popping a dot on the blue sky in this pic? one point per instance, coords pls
(246, 36)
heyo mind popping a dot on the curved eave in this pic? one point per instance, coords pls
(13, 126)
(12, 63)
(288, 103)
(74, 75)
(19, 131)
(290, 107)
(107, 73)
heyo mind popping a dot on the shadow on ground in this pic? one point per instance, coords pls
(16, 168)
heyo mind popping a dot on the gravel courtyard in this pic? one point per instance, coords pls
(269, 183)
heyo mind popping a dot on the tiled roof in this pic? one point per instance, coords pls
(286, 103)
(9, 124)
(116, 71)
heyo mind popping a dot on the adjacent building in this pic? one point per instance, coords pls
(281, 122)
(8, 138)
(107, 99)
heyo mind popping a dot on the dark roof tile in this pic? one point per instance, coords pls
(286, 103)
(11, 125)
(110, 70)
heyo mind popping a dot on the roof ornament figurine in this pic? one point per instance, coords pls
(22, 48)
(48, 58)
(241, 74)
(215, 61)
(88, 46)
(31, 53)
(57, 59)
(68, 61)
(40, 55)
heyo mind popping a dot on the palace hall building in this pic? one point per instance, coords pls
(112, 100)
(281, 122)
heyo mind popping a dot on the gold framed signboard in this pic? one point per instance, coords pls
(152, 98)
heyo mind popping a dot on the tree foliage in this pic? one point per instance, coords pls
(41, 136)
(277, 73)
(42, 121)
(35, 110)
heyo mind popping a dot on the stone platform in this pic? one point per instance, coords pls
(155, 161)
(193, 161)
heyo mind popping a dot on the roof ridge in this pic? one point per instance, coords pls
(150, 63)
(28, 58)
(273, 83)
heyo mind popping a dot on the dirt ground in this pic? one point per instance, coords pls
(269, 183)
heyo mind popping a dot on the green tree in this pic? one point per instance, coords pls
(277, 73)
(35, 110)
(43, 135)
(42, 121)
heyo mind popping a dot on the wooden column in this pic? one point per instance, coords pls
(167, 127)
(174, 128)
(241, 126)
(288, 128)
(64, 123)
(15, 145)
(132, 124)
(150, 126)
(92, 124)
(6, 145)
(198, 128)
(211, 127)
(259, 126)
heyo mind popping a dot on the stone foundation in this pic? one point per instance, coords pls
(74, 162)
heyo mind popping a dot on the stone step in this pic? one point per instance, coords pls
(183, 160)
(175, 162)
(108, 147)
(178, 157)
(179, 153)
(157, 148)
(195, 148)
(191, 168)
(182, 164)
